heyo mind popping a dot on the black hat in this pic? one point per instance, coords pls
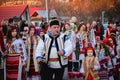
(54, 22)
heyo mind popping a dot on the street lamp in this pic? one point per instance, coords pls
(46, 10)
(103, 14)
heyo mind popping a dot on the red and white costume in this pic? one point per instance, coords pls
(13, 67)
(90, 74)
(107, 35)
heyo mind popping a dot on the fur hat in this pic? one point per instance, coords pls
(54, 22)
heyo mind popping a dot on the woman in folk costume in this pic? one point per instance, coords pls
(16, 57)
(102, 58)
(99, 50)
(2, 53)
(88, 25)
(32, 65)
(118, 56)
(72, 62)
(118, 49)
(90, 65)
(110, 52)
(91, 34)
(112, 49)
(82, 36)
(110, 27)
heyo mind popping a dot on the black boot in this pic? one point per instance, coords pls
(69, 66)
(76, 66)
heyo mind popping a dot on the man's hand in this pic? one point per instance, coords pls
(60, 53)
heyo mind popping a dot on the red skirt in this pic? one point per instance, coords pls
(11, 67)
(32, 68)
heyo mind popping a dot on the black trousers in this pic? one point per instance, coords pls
(1, 74)
(48, 73)
(73, 66)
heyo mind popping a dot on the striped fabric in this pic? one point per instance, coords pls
(32, 68)
(74, 75)
(103, 74)
(12, 68)
(12, 64)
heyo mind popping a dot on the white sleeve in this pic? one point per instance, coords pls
(73, 40)
(68, 47)
(39, 49)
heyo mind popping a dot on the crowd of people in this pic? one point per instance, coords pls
(87, 50)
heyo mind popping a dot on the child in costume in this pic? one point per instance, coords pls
(90, 65)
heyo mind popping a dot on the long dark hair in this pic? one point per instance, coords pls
(99, 45)
(9, 34)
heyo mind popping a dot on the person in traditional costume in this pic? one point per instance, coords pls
(23, 24)
(25, 33)
(52, 52)
(110, 27)
(16, 56)
(99, 50)
(90, 65)
(42, 32)
(102, 58)
(2, 54)
(118, 49)
(91, 34)
(32, 65)
(112, 62)
(99, 30)
(72, 62)
(83, 41)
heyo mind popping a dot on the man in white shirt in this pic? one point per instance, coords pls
(54, 48)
